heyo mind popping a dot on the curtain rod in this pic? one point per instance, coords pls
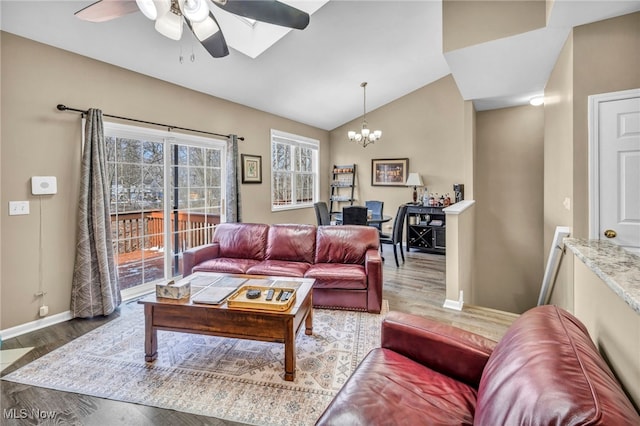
(66, 108)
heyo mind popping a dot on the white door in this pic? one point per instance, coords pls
(617, 130)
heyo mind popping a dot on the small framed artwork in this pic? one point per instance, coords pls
(389, 172)
(251, 168)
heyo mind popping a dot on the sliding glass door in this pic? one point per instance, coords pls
(167, 193)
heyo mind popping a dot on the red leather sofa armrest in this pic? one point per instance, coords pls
(196, 255)
(373, 269)
(443, 348)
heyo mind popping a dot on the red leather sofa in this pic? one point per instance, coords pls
(344, 260)
(544, 371)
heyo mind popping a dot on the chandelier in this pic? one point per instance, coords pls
(366, 136)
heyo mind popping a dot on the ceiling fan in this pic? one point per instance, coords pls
(169, 16)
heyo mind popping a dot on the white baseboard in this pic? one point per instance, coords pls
(34, 325)
(454, 304)
(21, 329)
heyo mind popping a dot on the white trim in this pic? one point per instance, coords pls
(28, 327)
(553, 261)
(594, 102)
(295, 141)
(459, 207)
(138, 291)
(456, 305)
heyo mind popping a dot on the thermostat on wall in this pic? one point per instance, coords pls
(43, 185)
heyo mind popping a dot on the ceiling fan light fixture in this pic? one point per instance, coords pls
(170, 25)
(205, 29)
(195, 10)
(148, 8)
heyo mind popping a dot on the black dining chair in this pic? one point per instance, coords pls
(376, 210)
(322, 213)
(396, 235)
(354, 215)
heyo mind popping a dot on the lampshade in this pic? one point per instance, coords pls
(148, 8)
(170, 25)
(205, 29)
(195, 10)
(414, 179)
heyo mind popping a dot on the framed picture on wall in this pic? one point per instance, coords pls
(251, 168)
(389, 172)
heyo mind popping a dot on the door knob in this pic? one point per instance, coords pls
(610, 233)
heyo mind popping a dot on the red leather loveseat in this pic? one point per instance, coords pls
(544, 371)
(344, 260)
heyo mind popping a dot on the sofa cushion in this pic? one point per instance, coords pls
(279, 268)
(291, 242)
(226, 265)
(546, 370)
(388, 388)
(241, 240)
(345, 244)
(333, 275)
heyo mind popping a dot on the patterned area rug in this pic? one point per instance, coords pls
(230, 379)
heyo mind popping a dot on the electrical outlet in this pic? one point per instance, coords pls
(18, 208)
(44, 310)
(567, 203)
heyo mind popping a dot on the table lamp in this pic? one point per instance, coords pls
(414, 180)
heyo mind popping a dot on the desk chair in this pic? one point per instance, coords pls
(376, 209)
(396, 235)
(354, 215)
(322, 213)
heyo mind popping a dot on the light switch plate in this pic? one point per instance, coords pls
(18, 208)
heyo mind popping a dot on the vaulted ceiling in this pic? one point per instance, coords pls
(313, 76)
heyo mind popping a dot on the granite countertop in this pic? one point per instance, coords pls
(618, 268)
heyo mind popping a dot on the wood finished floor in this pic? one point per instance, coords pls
(415, 287)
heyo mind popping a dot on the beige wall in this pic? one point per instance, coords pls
(508, 193)
(613, 325)
(466, 23)
(606, 59)
(39, 140)
(460, 254)
(597, 58)
(558, 165)
(427, 127)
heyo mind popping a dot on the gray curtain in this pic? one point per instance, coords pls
(95, 288)
(233, 210)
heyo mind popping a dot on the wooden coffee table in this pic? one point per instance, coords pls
(219, 320)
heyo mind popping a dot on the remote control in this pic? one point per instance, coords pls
(286, 296)
(279, 295)
(269, 295)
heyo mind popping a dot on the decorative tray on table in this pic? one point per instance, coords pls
(263, 298)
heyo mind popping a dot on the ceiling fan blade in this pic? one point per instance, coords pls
(215, 44)
(106, 10)
(270, 11)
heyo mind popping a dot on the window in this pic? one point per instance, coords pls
(294, 171)
(166, 196)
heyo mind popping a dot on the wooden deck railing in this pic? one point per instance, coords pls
(193, 229)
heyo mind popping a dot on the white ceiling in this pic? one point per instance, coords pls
(313, 76)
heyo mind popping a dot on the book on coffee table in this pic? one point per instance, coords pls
(218, 291)
(213, 295)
